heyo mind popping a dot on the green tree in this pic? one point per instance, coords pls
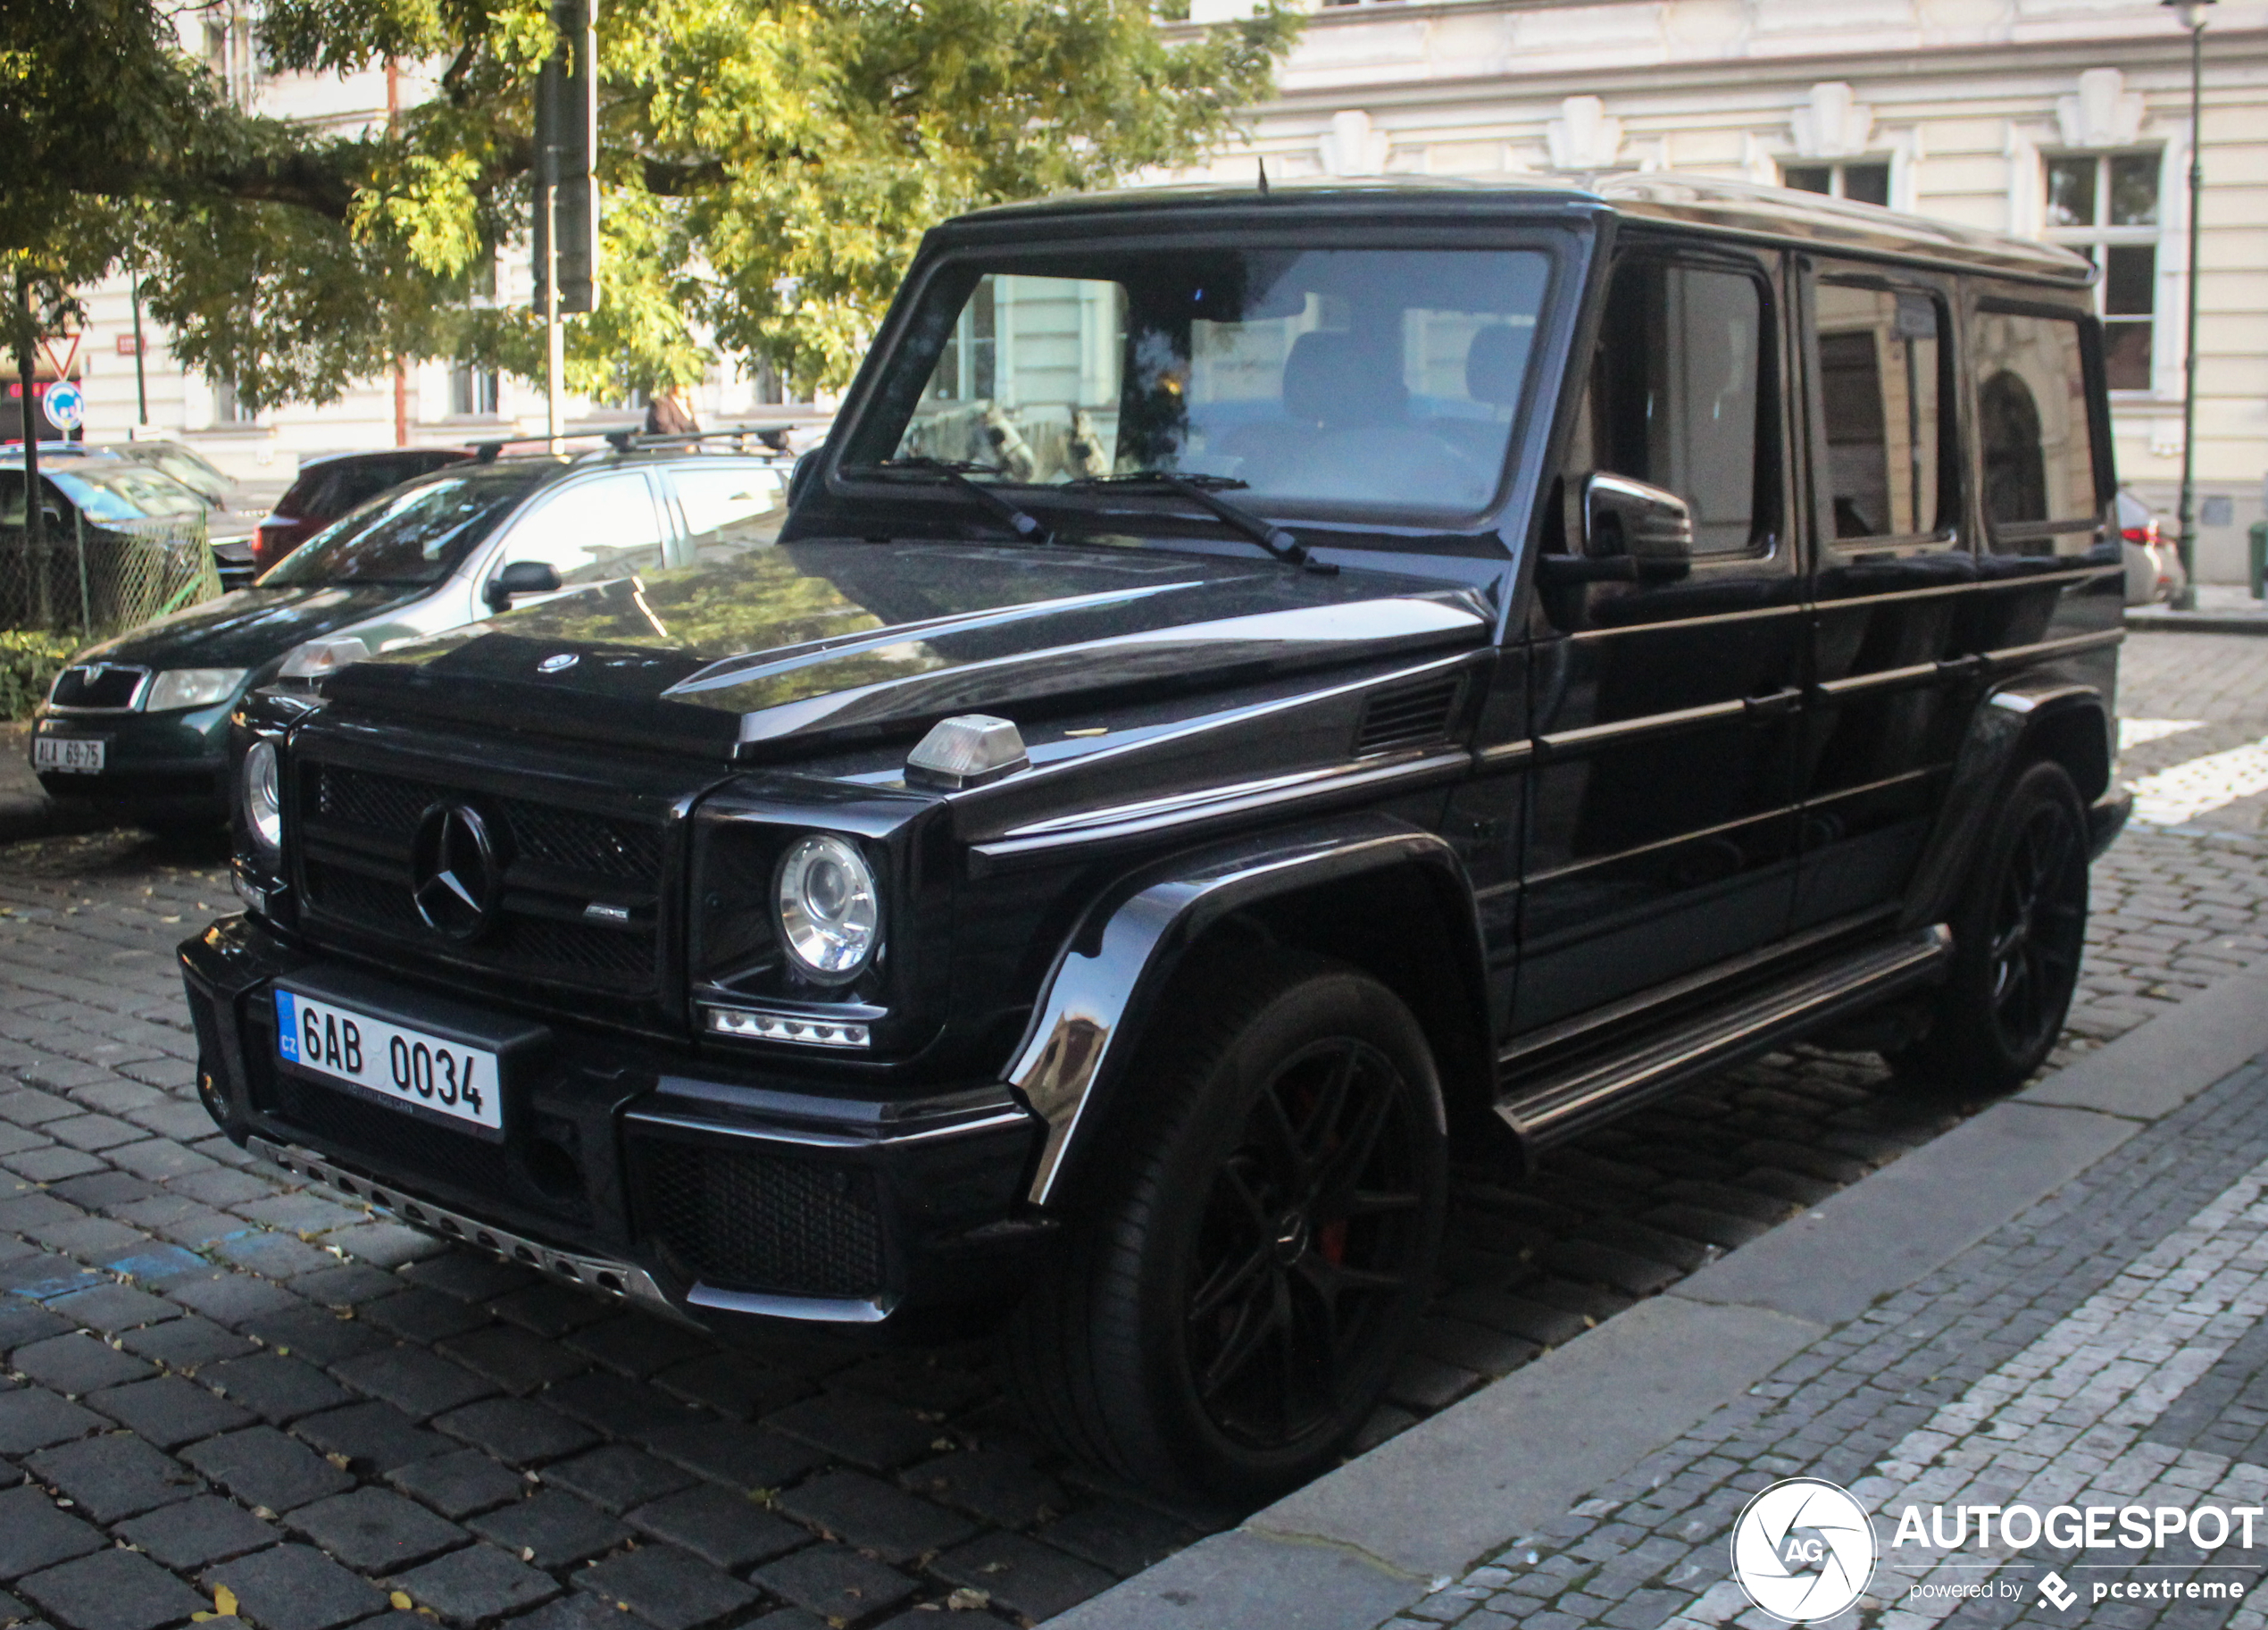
(767, 165)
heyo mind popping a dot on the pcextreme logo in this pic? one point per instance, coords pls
(1802, 1550)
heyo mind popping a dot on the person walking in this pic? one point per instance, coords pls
(671, 413)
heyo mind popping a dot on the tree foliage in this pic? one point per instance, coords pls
(767, 167)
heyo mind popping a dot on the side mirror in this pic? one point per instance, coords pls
(520, 577)
(1624, 517)
(806, 468)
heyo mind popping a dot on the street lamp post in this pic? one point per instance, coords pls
(2192, 13)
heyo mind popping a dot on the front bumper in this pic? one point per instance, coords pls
(156, 765)
(713, 1192)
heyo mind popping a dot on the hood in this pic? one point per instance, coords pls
(247, 629)
(787, 646)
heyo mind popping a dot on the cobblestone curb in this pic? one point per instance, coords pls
(1388, 1531)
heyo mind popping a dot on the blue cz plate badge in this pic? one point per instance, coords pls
(404, 1067)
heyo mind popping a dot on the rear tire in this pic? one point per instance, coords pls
(1259, 1238)
(2017, 937)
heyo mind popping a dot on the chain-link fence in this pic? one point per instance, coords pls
(96, 579)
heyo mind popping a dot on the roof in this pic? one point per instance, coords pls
(1671, 198)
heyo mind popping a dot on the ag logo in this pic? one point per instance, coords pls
(1802, 1550)
(2055, 1593)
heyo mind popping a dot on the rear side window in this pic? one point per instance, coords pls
(599, 528)
(718, 496)
(1880, 364)
(1677, 398)
(2035, 436)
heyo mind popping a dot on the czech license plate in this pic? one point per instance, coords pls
(403, 1065)
(76, 755)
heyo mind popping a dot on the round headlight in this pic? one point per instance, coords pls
(263, 800)
(830, 915)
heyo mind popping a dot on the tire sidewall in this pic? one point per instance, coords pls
(2043, 781)
(1332, 1004)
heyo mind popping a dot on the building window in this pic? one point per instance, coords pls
(472, 392)
(229, 408)
(1867, 182)
(2105, 205)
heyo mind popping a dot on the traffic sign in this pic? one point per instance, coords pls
(66, 404)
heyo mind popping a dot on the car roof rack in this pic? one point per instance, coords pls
(638, 441)
(485, 451)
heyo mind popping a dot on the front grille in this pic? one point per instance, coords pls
(749, 1221)
(366, 802)
(356, 830)
(108, 686)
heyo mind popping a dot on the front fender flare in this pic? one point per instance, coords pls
(1109, 975)
(2012, 725)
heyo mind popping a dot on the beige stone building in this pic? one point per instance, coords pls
(2060, 119)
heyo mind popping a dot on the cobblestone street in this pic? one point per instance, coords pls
(224, 1390)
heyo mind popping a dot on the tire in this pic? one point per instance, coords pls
(2017, 936)
(1226, 1308)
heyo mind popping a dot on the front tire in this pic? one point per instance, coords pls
(1259, 1241)
(2018, 936)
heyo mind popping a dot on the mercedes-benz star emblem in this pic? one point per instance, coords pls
(559, 664)
(454, 871)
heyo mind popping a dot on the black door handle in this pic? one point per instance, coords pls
(1779, 705)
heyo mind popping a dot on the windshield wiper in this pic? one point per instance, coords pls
(955, 472)
(1204, 492)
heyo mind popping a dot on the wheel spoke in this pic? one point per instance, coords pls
(1277, 1130)
(1322, 1119)
(1374, 1202)
(1227, 1280)
(1334, 1183)
(1261, 1316)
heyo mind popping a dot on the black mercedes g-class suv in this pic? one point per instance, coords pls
(1256, 686)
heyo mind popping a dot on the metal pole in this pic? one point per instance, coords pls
(141, 375)
(34, 513)
(2187, 598)
(554, 341)
(86, 604)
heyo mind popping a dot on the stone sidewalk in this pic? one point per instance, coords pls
(2105, 1344)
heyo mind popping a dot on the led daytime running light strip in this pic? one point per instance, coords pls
(787, 1027)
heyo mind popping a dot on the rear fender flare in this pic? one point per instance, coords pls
(1108, 977)
(2014, 725)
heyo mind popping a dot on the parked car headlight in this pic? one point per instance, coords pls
(319, 658)
(828, 909)
(263, 797)
(178, 688)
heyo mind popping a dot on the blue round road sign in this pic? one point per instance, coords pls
(66, 404)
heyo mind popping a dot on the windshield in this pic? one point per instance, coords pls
(123, 492)
(1320, 379)
(191, 471)
(415, 534)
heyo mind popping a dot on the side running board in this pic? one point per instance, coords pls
(1558, 1105)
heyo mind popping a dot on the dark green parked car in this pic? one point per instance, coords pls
(140, 722)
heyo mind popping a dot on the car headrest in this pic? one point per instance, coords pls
(1494, 362)
(1337, 381)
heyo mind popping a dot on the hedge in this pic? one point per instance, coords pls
(29, 661)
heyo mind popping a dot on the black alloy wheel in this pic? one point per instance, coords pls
(2038, 930)
(2018, 934)
(1253, 1241)
(1308, 1240)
